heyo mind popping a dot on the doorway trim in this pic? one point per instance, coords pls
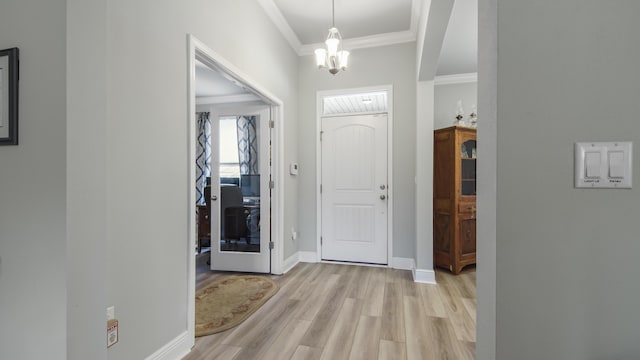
(199, 50)
(320, 95)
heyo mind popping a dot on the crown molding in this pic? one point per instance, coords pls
(281, 23)
(455, 79)
(399, 37)
(365, 41)
(208, 100)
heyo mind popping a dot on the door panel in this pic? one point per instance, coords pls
(242, 232)
(354, 188)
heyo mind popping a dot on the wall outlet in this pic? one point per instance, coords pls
(112, 332)
(111, 313)
(294, 234)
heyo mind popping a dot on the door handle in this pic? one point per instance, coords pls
(382, 197)
(214, 198)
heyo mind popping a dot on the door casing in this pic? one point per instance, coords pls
(199, 50)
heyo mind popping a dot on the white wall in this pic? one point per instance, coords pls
(368, 67)
(446, 98)
(567, 259)
(424, 177)
(33, 294)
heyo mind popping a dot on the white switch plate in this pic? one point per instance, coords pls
(111, 313)
(594, 169)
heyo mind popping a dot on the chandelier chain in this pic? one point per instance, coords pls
(333, 13)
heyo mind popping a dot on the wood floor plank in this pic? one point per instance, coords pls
(258, 335)
(468, 286)
(431, 300)
(367, 339)
(392, 314)
(340, 339)
(463, 324)
(374, 298)
(317, 298)
(392, 350)
(442, 339)
(359, 284)
(306, 353)
(324, 320)
(287, 342)
(470, 306)
(311, 281)
(418, 341)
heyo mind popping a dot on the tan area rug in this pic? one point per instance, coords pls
(226, 303)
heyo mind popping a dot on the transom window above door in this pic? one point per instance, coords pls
(371, 102)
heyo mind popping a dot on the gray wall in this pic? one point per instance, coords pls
(369, 67)
(33, 292)
(567, 259)
(87, 198)
(446, 98)
(146, 141)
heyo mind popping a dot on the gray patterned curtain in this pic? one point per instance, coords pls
(247, 145)
(203, 155)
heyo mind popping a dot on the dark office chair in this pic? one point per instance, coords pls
(233, 215)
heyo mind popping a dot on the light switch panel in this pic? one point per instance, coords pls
(603, 164)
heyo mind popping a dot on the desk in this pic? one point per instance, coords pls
(204, 226)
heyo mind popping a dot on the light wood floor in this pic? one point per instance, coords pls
(330, 311)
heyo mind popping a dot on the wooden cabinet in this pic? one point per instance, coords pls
(454, 198)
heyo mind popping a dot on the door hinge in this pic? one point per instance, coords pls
(272, 184)
(320, 240)
(321, 132)
(320, 188)
(272, 124)
(271, 245)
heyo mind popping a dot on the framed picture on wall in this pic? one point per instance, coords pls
(9, 96)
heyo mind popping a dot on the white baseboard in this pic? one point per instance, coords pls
(175, 349)
(290, 262)
(424, 276)
(403, 263)
(308, 256)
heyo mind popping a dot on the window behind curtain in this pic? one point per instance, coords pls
(229, 163)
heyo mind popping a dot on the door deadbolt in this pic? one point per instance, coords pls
(382, 187)
(214, 198)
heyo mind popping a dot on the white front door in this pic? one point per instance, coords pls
(354, 188)
(241, 228)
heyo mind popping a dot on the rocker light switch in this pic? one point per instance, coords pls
(592, 164)
(603, 164)
(616, 164)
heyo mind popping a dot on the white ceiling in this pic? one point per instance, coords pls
(362, 23)
(459, 52)
(368, 23)
(310, 19)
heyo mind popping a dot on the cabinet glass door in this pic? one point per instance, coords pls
(468, 158)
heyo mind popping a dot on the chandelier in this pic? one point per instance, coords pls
(333, 57)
